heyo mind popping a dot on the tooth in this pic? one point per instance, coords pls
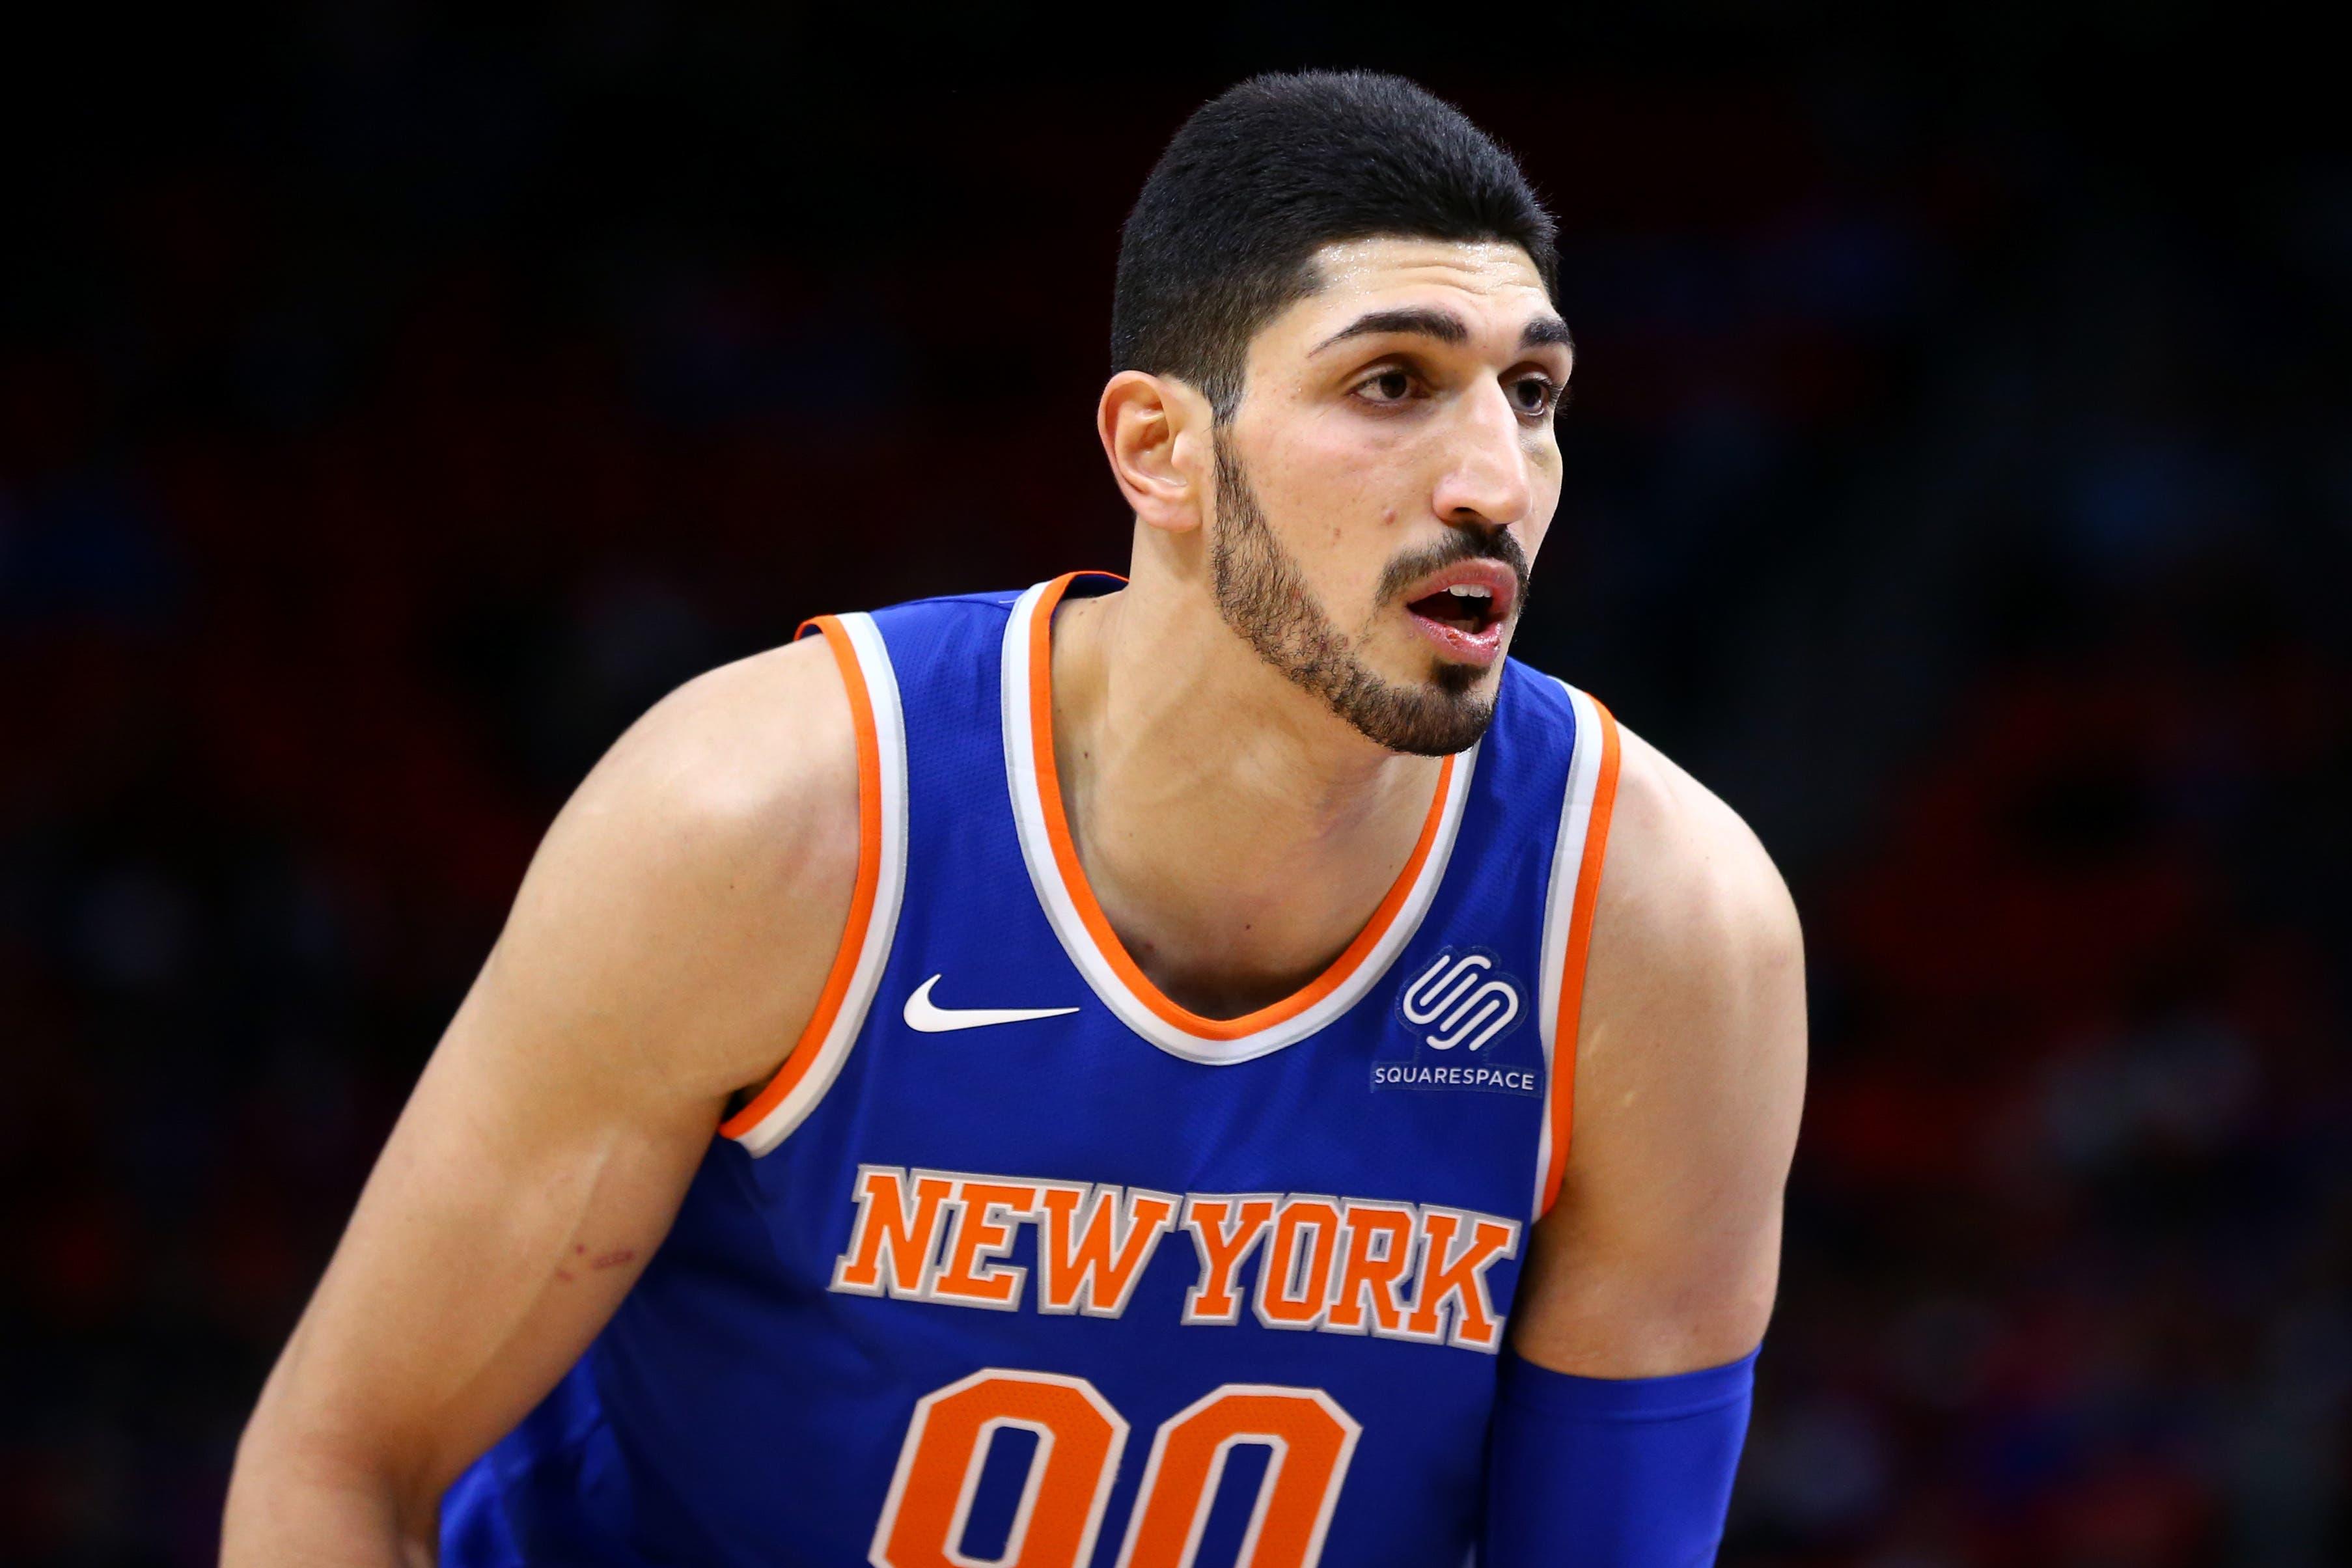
(1464, 591)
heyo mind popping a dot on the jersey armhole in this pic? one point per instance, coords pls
(816, 1058)
(1576, 862)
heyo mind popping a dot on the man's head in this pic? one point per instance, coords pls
(1335, 350)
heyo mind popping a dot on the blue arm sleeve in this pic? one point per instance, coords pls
(1590, 1472)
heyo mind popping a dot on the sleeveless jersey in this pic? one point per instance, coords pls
(1017, 1261)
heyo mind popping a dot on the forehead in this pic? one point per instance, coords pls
(1491, 284)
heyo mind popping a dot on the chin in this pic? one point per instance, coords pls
(1444, 713)
(1456, 680)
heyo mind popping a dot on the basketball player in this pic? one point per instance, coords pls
(1187, 1089)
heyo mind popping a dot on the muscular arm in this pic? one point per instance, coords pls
(666, 947)
(1663, 1252)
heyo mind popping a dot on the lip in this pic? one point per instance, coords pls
(1481, 647)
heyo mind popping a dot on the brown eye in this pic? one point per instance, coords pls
(1533, 395)
(1391, 385)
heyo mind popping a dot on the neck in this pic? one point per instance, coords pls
(1237, 833)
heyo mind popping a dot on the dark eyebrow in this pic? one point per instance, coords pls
(1442, 325)
(1445, 327)
(1546, 330)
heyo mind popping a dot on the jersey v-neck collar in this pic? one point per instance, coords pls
(1086, 933)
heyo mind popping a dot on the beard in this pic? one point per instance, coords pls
(1263, 595)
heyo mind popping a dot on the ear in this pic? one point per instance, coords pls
(1155, 431)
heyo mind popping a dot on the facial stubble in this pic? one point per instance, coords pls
(1263, 595)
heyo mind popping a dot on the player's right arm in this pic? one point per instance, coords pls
(667, 946)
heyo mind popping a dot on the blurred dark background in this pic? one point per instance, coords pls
(393, 405)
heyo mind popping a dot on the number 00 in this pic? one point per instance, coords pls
(1080, 1440)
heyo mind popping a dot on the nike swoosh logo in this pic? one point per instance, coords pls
(930, 1017)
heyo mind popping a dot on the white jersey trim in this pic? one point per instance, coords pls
(1062, 912)
(882, 921)
(1560, 910)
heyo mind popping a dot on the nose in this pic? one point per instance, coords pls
(1489, 483)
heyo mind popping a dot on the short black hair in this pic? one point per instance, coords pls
(1224, 234)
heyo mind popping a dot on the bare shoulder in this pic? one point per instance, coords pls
(685, 907)
(1688, 896)
(1660, 1254)
(734, 759)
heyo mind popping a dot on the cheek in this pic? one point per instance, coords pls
(1539, 518)
(1531, 537)
(1334, 502)
(1328, 468)
(1545, 470)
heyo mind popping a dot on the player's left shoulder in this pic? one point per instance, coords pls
(1688, 896)
(1661, 1253)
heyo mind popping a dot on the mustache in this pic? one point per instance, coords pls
(1461, 545)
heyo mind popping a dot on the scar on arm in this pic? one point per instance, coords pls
(612, 1259)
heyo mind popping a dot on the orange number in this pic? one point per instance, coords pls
(1312, 1439)
(1080, 1440)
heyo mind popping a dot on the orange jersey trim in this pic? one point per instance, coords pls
(1579, 951)
(1082, 896)
(805, 1050)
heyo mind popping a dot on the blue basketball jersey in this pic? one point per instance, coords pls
(1017, 1261)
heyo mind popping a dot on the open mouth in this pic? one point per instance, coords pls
(1466, 608)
